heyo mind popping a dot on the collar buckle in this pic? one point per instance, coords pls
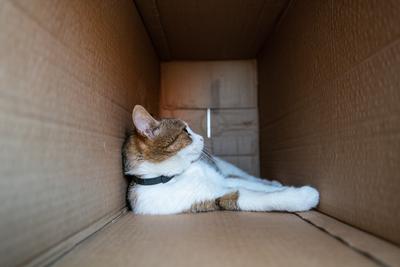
(165, 179)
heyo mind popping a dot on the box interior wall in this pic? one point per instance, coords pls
(304, 92)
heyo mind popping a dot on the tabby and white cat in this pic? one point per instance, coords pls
(173, 175)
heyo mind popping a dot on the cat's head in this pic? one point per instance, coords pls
(160, 147)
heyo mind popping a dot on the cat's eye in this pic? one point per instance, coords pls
(186, 131)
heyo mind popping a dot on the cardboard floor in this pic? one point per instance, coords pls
(231, 239)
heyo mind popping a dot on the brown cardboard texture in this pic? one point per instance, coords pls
(209, 84)
(305, 92)
(65, 107)
(229, 90)
(383, 252)
(208, 30)
(214, 239)
(329, 94)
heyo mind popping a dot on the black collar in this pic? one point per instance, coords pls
(152, 181)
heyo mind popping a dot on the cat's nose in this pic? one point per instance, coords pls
(201, 139)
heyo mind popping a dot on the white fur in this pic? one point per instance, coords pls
(197, 181)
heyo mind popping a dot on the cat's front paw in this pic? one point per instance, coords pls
(301, 199)
(308, 198)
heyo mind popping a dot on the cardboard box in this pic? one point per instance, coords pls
(335, 120)
(209, 84)
(229, 90)
(70, 74)
(307, 92)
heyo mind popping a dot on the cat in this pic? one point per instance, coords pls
(173, 174)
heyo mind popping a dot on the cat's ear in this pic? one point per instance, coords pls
(144, 123)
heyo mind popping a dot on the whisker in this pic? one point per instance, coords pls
(205, 155)
(206, 149)
(208, 156)
(207, 152)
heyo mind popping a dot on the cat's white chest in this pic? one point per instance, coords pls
(197, 183)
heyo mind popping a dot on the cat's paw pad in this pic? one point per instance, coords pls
(308, 197)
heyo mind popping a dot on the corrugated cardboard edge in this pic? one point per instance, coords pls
(53, 254)
(275, 28)
(155, 29)
(381, 252)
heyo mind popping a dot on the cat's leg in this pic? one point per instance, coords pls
(259, 180)
(255, 185)
(230, 170)
(289, 199)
